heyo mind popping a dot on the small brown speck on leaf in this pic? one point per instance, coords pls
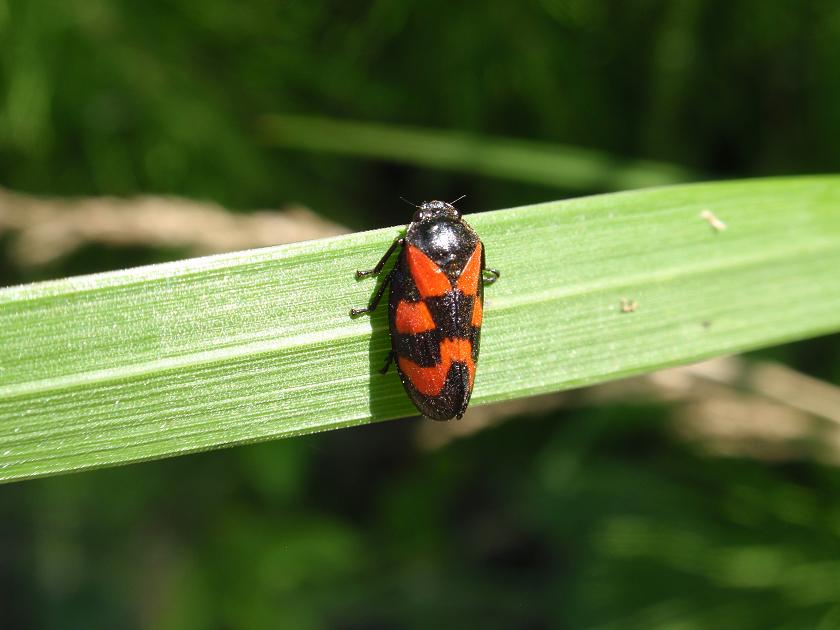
(627, 306)
(712, 220)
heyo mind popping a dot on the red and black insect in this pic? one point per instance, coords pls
(436, 307)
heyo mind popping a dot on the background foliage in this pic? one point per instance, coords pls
(594, 515)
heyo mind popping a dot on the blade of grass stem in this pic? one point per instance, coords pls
(547, 164)
(209, 352)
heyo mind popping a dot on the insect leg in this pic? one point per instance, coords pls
(494, 275)
(375, 271)
(354, 312)
(388, 362)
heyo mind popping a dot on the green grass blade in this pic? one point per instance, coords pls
(564, 166)
(215, 351)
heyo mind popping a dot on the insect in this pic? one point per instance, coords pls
(436, 308)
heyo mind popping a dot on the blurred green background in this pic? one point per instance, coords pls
(594, 510)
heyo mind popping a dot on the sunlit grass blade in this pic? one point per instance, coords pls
(215, 351)
(563, 166)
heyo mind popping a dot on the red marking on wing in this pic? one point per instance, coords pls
(429, 381)
(468, 280)
(430, 279)
(413, 318)
(477, 313)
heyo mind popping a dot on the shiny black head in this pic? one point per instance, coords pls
(438, 230)
(436, 211)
